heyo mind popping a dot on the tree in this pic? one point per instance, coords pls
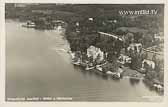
(138, 37)
(151, 75)
(129, 37)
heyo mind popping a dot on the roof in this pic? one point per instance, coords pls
(111, 35)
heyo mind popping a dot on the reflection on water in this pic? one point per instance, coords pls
(134, 81)
(37, 65)
(96, 74)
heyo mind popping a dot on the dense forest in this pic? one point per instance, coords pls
(135, 28)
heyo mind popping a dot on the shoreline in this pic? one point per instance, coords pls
(126, 74)
(93, 68)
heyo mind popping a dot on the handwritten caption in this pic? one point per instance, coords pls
(40, 99)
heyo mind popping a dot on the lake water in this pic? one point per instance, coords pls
(37, 65)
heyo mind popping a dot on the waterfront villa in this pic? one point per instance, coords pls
(96, 53)
(135, 47)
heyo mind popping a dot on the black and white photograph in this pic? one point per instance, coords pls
(58, 52)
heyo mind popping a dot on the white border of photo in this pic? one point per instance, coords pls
(3, 103)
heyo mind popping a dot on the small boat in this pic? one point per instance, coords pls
(114, 74)
(158, 87)
(99, 68)
(29, 24)
(89, 68)
(76, 63)
(110, 73)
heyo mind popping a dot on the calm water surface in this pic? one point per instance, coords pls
(37, 65)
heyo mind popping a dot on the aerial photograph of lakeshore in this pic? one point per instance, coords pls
(84, 52)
